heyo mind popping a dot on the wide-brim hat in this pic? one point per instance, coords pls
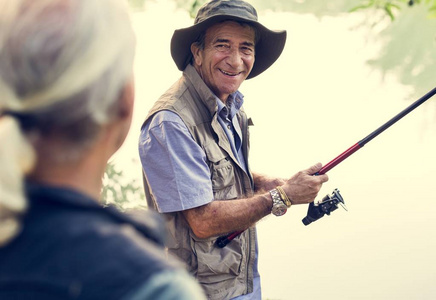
(269, 43)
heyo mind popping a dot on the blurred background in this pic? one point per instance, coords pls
(347, 68)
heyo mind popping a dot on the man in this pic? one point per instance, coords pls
(194, 149)
(66, 106)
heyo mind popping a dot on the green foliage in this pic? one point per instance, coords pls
(137, 4)
(313, 7)
(390, 7)
(408, 49)
(404, 29)
(120, 191)
(191, 6)
(393, 7)
(194, 7)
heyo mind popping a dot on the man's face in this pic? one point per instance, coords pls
(227, 57)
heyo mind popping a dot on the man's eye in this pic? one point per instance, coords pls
(247, 50)
(222, 46)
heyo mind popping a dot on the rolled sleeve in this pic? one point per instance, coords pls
(174, 164)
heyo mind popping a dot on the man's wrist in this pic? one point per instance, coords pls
(284, 196)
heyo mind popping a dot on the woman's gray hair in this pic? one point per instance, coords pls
(63, 65)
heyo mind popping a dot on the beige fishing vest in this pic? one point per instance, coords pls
(223, 272)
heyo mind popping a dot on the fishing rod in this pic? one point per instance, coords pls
(375, 133)
(330, 202)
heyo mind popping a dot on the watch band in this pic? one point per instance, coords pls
(275, 195)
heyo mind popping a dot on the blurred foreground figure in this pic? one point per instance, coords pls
(66, 101)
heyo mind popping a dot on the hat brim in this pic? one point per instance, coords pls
(269, 46)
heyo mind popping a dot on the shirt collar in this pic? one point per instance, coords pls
(232, 106)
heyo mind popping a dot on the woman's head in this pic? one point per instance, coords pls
(63, 67)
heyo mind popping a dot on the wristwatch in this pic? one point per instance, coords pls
(279, 207)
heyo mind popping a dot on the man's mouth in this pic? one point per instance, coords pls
(229, 73)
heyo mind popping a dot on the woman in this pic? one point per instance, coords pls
(66, 102)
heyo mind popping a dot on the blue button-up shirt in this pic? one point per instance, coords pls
(230, 124)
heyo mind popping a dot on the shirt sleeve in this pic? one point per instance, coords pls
(174, 164)
(169, 285)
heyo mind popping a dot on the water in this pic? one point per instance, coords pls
(317, 100)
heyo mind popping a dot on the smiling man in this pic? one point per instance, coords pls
(194, 147)
(226, 57)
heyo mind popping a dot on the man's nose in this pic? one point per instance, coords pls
(235, 57)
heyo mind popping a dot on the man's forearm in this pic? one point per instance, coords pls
(221, 217)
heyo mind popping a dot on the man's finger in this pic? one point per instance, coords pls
(313, 169)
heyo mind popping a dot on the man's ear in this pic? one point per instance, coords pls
(196, 54)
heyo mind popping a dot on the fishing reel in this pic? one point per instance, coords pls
(328, 204)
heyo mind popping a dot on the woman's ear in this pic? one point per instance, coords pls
(117, 130)
(127, 99)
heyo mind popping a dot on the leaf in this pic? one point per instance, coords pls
(363, 6)
(389, 12)
(395, 6)
(116, 190)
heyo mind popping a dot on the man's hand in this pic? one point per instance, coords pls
(303, 187)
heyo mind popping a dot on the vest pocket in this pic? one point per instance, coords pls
(217, 264)
(223, 182)
(222, 173)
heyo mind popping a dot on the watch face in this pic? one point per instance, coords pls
(279, 209)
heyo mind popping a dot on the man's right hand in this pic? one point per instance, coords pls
(303, 187)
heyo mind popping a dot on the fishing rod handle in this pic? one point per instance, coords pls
(222, 241)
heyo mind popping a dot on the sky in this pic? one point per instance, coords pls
(315, 102)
